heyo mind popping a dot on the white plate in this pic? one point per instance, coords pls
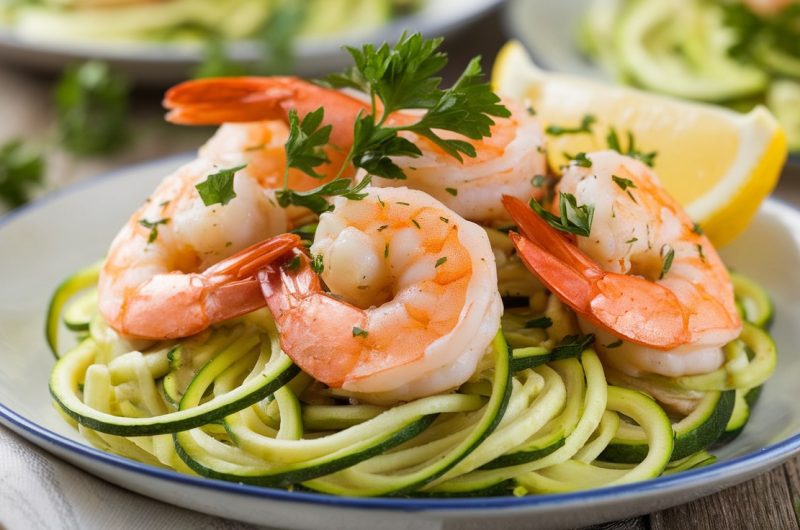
(171, 62)
(42, 244)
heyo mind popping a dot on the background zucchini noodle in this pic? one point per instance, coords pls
(538, 416)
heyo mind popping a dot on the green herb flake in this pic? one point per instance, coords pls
(574, 219)
(571, 346)
(701, 253)
(386, 250)
(452, 191)
(21, 170)
(612, 139)
(307, 140)
(585, 127)
(615, 344)
(440, 261)
(579, 159)
(697, 229)
(632, 240)
(623, 183)
(358, 332)
(667, 254)
(541, 322)
(382, 228)
(414, 221)
(403, 203)
(317, 264)
(445, 220)
(153, 226)
(218, 187)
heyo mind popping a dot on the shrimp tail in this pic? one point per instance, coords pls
(296, 300)
(178, 305)
(629, 307)
(218, 100)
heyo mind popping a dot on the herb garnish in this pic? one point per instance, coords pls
(317, 264)
(571, 346)
(615, 344)
(92, 109)
(293, 264)
(697, 229)
(541, 322)
(440, 261)
(584, 128)
(396, 78)
(668, 254)
(613, 143)
(451, 191)
(574, 219)
(580, 159)
(153, 226)
(20, 170)
(218, 187)
(358, 332)
(623, 182)
(306, 142)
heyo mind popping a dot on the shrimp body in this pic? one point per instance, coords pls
(158, 281)
(652, 289)
(506, 164)
(506, 161)
(413, 304)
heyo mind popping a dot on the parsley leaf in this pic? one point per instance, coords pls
(580, 159)
(574, 219)
(315, 199)
(571, 346)
(218, 187)
(613, 143)
(623, 182)
(20, 170)
(304, 147)
(153, 226)
(92, 109)
(405, 77)
(541, 322)
(317, 264)
(358, 332)
(440, 261)
(667, 254)
(584, 127)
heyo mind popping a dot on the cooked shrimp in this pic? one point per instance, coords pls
(169, 272)
(652, 289)
(506, 162)
(413, 303)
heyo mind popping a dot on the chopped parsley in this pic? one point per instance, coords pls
(153, 226)
(697, 229)
(358, 332)
(571, 346)
(305, 147)
(314, 199)
(21, 170)
(574, 219)
(444, 220)
(700, 252)
(615, 344)
(386, 250)
(451, 191)
(218, 187)
(538, 181)
(579, 159)
(584, 128)
(613, 143)
(92, 109)
(415, 223)
(382, 228)
(440, 261)
(667, 254)
(623, 183)
(293, 264)
(541, 322)
(317, 264)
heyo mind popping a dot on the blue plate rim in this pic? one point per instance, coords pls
(735, 467)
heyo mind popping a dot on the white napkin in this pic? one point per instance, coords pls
(39, 491)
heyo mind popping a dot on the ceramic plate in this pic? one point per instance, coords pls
(41, 244)
(172, 62)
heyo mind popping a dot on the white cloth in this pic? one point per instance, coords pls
(39, 491)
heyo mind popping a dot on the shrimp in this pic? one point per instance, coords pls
(506, 162)
(413, 305)
(169, 272)
(646, 282)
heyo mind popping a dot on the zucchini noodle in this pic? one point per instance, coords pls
(540, 415)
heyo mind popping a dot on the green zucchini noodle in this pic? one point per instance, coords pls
(540, 415)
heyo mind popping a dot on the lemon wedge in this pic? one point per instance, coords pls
(719, 164)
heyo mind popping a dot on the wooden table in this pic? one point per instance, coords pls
(770, 501)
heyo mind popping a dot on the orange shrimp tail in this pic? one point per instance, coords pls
(214, 101)
(174, 305)
(316, 330)
(629, 307)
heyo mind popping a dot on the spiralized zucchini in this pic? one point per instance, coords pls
(539, 415)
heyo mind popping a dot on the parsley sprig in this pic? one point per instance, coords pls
(395, 78)
(585, 127)
(574, 219)
(21, 170)
(613, 143)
